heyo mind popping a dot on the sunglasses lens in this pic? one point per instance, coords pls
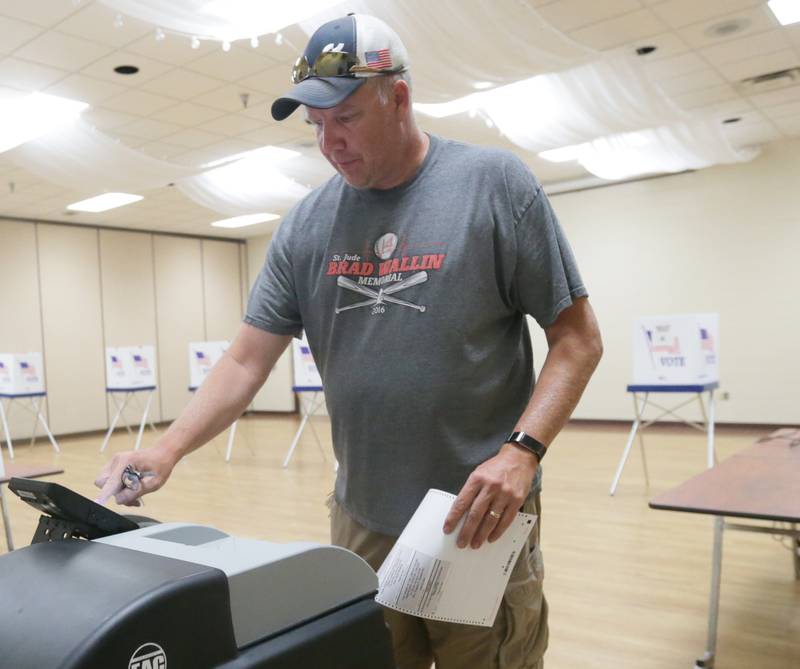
(300, 71)
(333, 64)
(328, 64)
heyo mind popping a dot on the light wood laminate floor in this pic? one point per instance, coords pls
(628, 586)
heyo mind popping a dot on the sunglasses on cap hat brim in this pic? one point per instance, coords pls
(334, 64)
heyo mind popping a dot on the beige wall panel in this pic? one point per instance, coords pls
(179, 311)
(222, 290)
(724, 240)
(72, 326)
(129, 309)
(276, 394)
(20, 311)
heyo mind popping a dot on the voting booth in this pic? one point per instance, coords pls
(676, 350)
(203, 355)
(130, 374)
(310, 395)
(22, 384)
(676, 355)
(97, 589)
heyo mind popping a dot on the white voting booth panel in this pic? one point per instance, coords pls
(21, 373)
(22, 384)
(130, 370)
(306, 374)
(673, 354)
(130, 367)
(203, 355)
(674, 350)
(308, 386)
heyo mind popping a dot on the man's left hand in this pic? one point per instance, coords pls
(492, 496)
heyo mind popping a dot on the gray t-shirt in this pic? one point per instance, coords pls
(413, 300)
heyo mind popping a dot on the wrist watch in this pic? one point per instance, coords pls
(527, 442)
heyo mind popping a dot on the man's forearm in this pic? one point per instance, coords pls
(572, 357)
(226, 392)
(223, 397)
(561, 383)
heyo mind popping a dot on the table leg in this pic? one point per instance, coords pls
(626, 452)
(707, 661)
(796, 552)
(5, 427)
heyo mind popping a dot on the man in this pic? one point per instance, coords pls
(411, 272)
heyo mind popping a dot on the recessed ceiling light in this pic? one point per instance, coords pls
(727, 28)
(732, 119)
(247, 219)
(482, 85)
(104, 202)
(126, 69)
(645, 50)
(786, 11)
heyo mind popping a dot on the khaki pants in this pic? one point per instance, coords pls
(518, 638)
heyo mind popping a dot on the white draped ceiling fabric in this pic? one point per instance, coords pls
(692, 145)
(605, 108)
(82, 158)
(593, 100)
(223, 20)
(455, 43)
(254, 184)
(624, 124)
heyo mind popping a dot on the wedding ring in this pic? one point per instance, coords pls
(495, 514)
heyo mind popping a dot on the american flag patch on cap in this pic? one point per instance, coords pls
(379, 60)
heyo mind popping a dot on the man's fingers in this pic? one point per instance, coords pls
(111, 486)
(487, 524)
(460, 506)
(475, 516)
(128, 497)
(503, 524)
(112, 481)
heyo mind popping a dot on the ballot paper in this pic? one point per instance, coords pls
(427, 575)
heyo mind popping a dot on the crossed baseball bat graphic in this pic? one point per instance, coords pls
(384, 294)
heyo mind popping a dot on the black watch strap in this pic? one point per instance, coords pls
(527, 442)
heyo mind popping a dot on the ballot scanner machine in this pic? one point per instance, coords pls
(97, 590)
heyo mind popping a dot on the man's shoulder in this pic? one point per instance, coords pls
(479, 153)
(493, 166)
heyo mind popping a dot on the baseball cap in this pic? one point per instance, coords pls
(340, 56)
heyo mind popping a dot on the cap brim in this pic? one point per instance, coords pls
(318, 92)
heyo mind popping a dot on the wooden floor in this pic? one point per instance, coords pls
(628, 586)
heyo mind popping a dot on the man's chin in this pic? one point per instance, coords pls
(355, 180)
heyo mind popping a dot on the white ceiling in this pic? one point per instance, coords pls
(185, 105)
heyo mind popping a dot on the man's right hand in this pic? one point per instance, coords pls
(153, 464)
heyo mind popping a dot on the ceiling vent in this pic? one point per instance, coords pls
(770, 81)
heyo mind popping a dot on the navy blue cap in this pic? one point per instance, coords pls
(369, 39)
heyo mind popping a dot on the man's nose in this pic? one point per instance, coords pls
(330, 139)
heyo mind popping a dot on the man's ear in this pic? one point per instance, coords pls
(401, 95)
